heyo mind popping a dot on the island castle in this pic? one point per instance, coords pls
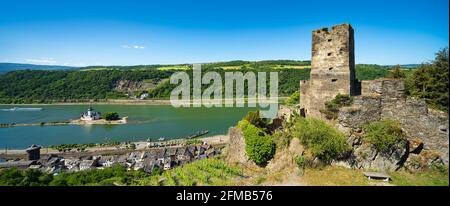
(332, 69)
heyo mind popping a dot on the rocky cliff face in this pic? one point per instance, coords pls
(365, 156)
(236, 147)
(128, 86)
(426, 130)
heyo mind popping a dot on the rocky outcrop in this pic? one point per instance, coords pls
(128, 86)
(236, 147)
(426, 129)
(285, 115)
(286, 158)
(365, 156)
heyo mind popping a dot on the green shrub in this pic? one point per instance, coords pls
(300, 160)
(384, 134)
(293, 99)
(111, 116)
(193, 142)
(323, 141)
(397, 73)
(259, 146)
(132, 146)
(332, 107)
(29, 177)
(281, 139)
(254, 118)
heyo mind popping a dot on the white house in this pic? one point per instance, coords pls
(90, 115)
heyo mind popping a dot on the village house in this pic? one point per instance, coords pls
(192, 149)
(184, 155)
(17, 164)
(72, 164)
(168, 163)
(148, 161)
(149, 165)
(171, 153)
(160, 154)
(89, 163)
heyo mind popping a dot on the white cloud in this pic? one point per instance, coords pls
(41, 61)
(133, 47)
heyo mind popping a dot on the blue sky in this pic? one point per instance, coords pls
(81, 33)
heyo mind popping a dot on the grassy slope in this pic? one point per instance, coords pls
(339, 176)
(203, 172)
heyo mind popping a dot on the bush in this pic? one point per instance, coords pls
(29, 177)
(293, 99)
(323, 141)
(281, 139)
(111, 116)
(397, 73)
(300, 160)
(332, 107)
(255, 119)
(259, 146)
(132, 146)
(384, 134)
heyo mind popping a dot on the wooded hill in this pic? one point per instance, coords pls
(99, 82)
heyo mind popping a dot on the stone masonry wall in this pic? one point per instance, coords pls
(385, 98)
(332, 68)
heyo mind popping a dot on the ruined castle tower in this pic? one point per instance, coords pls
(332, 69)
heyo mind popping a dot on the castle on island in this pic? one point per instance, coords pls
(90, 115)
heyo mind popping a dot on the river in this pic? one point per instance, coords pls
(144, 122)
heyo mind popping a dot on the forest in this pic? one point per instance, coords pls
(95, 83)
(99, 82)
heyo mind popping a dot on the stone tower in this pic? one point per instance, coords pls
(332, 69)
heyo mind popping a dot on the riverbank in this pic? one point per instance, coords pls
(145, 102)
(216, 140)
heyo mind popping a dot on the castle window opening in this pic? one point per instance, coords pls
(329, 54)
(329, 40)
(331, 68)
(333, 80)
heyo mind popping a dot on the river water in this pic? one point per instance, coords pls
(144, 122)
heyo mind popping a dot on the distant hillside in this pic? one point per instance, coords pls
(406, 66)
(42, 84)
(7, 67)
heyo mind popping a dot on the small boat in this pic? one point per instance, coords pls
(13, 109)
(161, 139)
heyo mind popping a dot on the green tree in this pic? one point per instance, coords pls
(111, 116)
(259, 146)
(431, 81)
